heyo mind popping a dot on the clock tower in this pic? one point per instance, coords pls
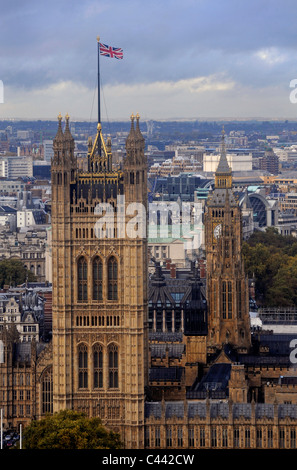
(227, 285)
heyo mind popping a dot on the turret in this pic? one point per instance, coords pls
(135, 165)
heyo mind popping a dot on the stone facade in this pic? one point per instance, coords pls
(198, 378)
(100, 284)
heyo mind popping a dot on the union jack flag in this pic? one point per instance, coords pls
(108, 51)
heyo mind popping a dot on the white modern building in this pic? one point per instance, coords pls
(48, 150)
(14, 167)
(238, 162)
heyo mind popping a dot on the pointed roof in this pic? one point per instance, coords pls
(132, 134)
(223, 166)
(59, 136)
(67, 133)
(138, 133)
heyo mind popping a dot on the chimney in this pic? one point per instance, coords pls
(173, 271)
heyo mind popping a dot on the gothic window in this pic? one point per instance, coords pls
(270, 436)
(97, 279)
(239, 301)
(281, 437)
(247, 437)
(259, 437)
(214, 300)
(169, 437)
(236, 437)
(82, 277)
(112, 279)
(113, 367)
(180, 437)
(292, 437)
(147, 437)
(229, 299)
(225, 437)
(47, 392)
(191, 437)
(213, 437)
(224, 298)
(83, 366)
(202, 437)
(157, 437)
(98, 366)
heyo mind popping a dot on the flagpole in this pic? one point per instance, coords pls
(99, 107)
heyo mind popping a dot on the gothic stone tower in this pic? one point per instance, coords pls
(227, 288)
(100, 359)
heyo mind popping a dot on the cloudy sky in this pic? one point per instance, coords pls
(182, 59)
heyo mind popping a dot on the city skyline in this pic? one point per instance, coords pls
(198, 60)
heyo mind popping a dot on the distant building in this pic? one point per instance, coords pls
(269, 162)
(237, 161)
(15, 167)
(48, 150)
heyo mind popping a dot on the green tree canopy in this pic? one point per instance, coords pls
(69, 430)
(13, 273)
(271, 259)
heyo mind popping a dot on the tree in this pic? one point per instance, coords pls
(271, 259)
(69, 430)
(13, 273)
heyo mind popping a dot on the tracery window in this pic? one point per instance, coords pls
(113, 366)
(82, 279)
(47, 392)
(83, 366)
(229, 299)
(224, 298)
(112, 278)
(98, 366)
(97, 278)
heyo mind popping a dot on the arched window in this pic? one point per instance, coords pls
(97, 279)
(230, 299)
(83, 366)
(113, 367)
(98, 366)
(47, 392)
(112, 279)
(82, 279)
(224, 299)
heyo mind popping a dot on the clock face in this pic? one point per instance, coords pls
(217, 230)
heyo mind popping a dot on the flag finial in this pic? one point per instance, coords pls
(98, 38)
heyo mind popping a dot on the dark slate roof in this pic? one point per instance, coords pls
(164, 374)
(263, 360)
(166, 337)
(7, 210)
(287, 410)
(196, 408)
(242, 409)
(174, 350)
(217, 378)
(153, 409)
(22, 351)
(264, 409)
(279, 344)
(174, 408)
(220, 409)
